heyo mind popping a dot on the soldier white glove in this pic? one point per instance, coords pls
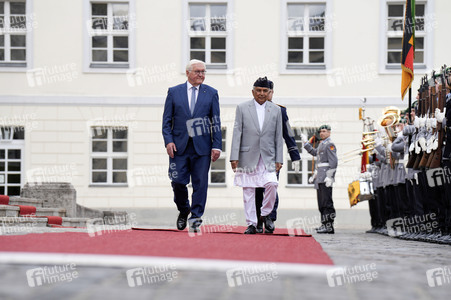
(417, 147)
(422, 143)
(434, 123)
(304, 138)
(416, 122)
(435, 144)
(377, 142)
(411, 147)
(310, 179)
(328, 181)
(296, 165)
(440, 115)
(429, 143)
(428, 123)
(366, 175)
(389, 148)
(422, 122)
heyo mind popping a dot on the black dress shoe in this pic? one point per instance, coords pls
(326, 229)
(194, 226)
(181, 221)
(320, 228)
(251, 230)
(259, 226)
(269, 224)
(372, 230)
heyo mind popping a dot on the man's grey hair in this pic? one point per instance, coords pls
(192, 62)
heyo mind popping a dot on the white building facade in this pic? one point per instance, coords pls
(83, 84)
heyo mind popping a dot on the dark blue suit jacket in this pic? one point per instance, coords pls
(204, 126)
(288, 137)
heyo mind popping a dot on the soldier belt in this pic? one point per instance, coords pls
(323, 165)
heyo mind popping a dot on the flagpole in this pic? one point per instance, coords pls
(410, 105)
(410, 112)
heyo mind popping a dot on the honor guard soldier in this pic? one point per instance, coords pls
(446, 164)
(324, 175)
(375, 170)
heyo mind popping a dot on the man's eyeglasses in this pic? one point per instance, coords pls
(199, 72)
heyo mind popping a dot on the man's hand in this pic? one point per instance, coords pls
(278, 167)
(215, 155)
(296, 165)
(170, 149)
(234, 164)
(304, 138)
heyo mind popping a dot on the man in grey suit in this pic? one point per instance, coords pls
(257, 153)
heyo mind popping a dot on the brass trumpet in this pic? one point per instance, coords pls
(366, 143)
(388, 122)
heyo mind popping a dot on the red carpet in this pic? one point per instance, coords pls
(169, 243)
(27, 210)
(4, 200)
(54, 220)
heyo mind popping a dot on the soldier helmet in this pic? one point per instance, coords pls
(325, 126)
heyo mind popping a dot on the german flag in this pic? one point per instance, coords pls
(408, 47)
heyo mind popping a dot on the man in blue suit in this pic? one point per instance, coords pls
(192, 136)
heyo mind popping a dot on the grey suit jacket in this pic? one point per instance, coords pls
(327, 160)
(248, 142)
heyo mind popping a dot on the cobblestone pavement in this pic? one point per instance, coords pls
(367, 266)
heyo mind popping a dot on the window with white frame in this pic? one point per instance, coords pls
(13, 34)
(394, 34)
(109, 156)
(109, 34)
(12, 142)
(218, 168)
(307, 160)
(306, 35)
(208, 34)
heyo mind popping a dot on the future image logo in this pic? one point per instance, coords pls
(414, 224)
(348, 275)
(151, 275)
(53, 274)
(438, 276)
(250, 275)
(438, 176)
(202, 126)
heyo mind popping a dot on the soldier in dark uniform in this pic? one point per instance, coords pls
(292, 147)
(398, 150)
(324, 175)
(385, 192)
(375, 169)
(413, 188)
(446, 164)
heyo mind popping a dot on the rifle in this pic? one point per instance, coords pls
(423, 110)
(412, 154)
(437, 154)
(431, 108)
